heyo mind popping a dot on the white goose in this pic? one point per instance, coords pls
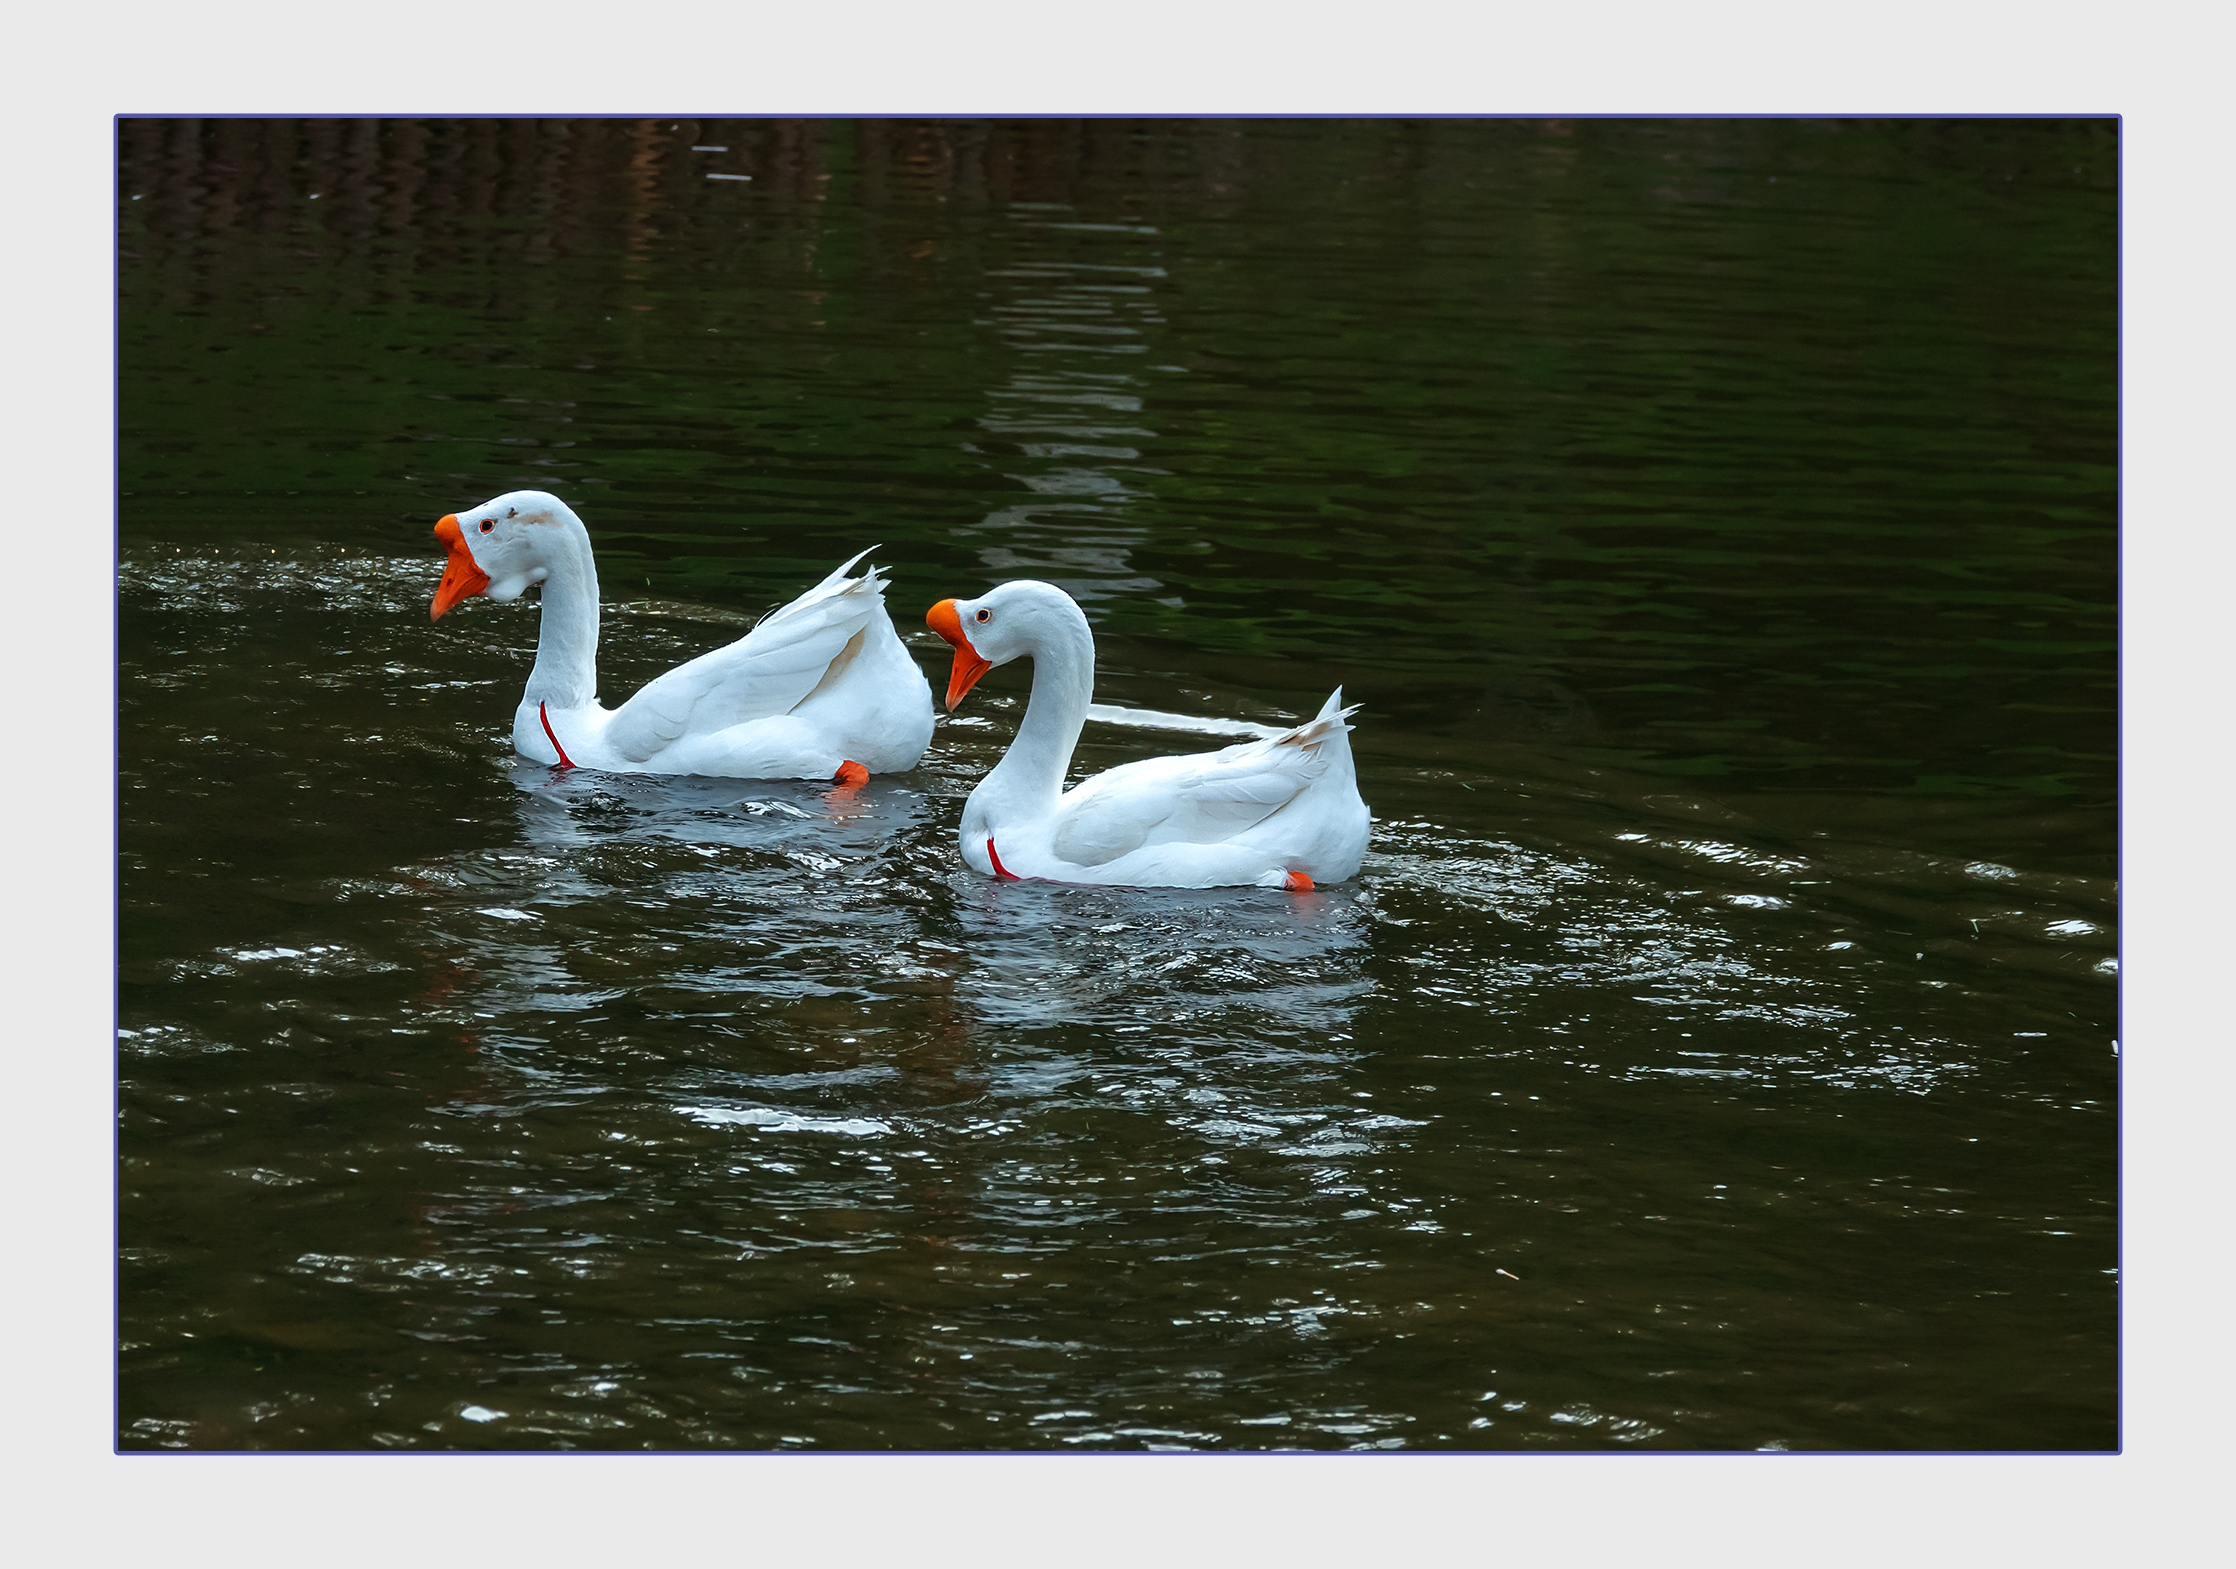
(1283, 812)
(821, 689)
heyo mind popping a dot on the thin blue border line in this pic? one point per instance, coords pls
(2119, 709)
(997, 116)
(116, 787)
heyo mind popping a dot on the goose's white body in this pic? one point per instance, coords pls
(1279, 812)
(820, 684)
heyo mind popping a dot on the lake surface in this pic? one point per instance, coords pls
(1716, 520)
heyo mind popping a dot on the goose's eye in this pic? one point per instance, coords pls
(487, 524)
(983, 617)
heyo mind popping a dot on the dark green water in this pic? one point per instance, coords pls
(1716, 519)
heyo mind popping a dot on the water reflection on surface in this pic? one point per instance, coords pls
(1068, 322)
(1714, 1051)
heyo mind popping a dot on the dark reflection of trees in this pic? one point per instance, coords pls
(556, 179)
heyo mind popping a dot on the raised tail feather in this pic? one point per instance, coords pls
(1332, 720)
(836, 583)
(846, 567)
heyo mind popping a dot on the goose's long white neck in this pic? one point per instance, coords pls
(1030, 776)
(566, 672)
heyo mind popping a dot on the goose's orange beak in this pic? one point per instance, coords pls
(944, 619)
(461, 579)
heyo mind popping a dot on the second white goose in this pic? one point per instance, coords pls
(1282, 812)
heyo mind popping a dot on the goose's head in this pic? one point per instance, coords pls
(1016, 619)
(500, 547)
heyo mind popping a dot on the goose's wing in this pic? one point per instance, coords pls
(769, 671)
(1202, 799)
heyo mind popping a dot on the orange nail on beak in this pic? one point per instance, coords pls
(461, 579)
(947, 621)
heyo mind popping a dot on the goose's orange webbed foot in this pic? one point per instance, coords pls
(1298, 882)
(841, 802)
